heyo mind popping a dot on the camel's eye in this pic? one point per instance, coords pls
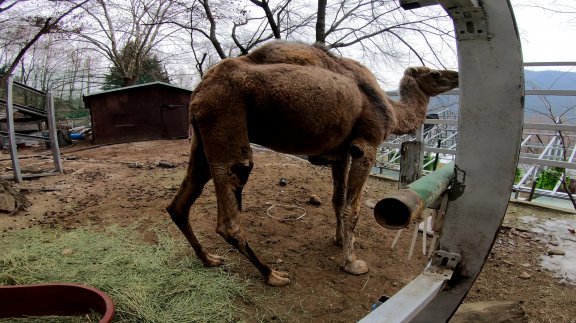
(435, 74)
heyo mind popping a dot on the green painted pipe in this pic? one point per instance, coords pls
(397, 210)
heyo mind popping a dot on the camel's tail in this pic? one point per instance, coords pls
(194, 133)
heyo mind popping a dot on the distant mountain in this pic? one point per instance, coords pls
(550, 80)
(535, 106)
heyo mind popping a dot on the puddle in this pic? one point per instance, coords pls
(558, 235)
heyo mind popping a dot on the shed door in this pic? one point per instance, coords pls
(175, 121)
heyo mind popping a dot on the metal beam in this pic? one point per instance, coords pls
(547, 162)
(415, 4)
(28, 88)
(551, 92)
(26, 109)
(11, 134)
(548, 126)
(527, 92)
(405, 305)
(549, 63)
(52, 129)
(491, 108)
(25, 136)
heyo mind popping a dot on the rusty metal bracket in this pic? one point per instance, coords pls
(469, 22)
(441, 212)
(457, 186)
(445, 259)
(414, 4)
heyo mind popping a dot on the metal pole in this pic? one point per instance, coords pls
(11, 133)
(53, 131)
(397, 210)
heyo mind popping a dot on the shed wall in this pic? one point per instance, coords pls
(147, 112)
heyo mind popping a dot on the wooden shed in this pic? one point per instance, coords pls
(145, 111)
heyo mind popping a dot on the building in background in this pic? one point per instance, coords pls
(140, 112)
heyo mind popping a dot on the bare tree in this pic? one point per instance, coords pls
(117, 24)
(321, 22)
(204, 21)
(37, 26)
(378, 28)
(265, 5)
(561, 7)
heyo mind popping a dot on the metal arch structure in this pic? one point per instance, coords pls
(490, 133)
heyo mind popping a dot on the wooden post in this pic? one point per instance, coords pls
(410, 162)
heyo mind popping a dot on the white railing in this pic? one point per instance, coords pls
(544, 145)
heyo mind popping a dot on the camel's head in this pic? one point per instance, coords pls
(433, 82)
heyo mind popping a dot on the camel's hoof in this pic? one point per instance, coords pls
(356, 267)
(213, 260)
(278, 278)
(338, 241)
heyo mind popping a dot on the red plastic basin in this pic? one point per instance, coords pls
(59, 299)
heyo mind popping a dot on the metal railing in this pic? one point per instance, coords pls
(544, 146)
(45, 113)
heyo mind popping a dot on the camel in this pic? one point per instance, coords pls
(296, 99)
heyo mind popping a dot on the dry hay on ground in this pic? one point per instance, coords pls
(99, 190)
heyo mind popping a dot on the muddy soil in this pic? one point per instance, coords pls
(132, 183)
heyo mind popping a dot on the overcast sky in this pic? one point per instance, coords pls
(547, 37)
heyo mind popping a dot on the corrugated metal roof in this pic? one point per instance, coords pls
(137, 86)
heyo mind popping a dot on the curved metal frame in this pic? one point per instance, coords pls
(491, 111)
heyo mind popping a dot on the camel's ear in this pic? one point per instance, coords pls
(411, 71)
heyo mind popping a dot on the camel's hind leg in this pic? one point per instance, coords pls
(340, 168)
(357, 175)
(197, 175)
(230, 158)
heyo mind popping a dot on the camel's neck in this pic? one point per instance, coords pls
(411, 110)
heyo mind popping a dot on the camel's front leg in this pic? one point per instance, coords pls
(359, 171)
(340, 168)
(197, 175)
(228, 182)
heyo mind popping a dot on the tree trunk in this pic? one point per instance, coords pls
(321, 22)
(269, 16)
(213, 38)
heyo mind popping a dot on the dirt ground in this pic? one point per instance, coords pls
(123, 184)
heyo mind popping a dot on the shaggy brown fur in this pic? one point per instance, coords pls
(296, 99)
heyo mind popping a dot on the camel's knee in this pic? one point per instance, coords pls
(179, 218)
(240, 172)
(356, 151)
(232, 235)
(358, 148)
